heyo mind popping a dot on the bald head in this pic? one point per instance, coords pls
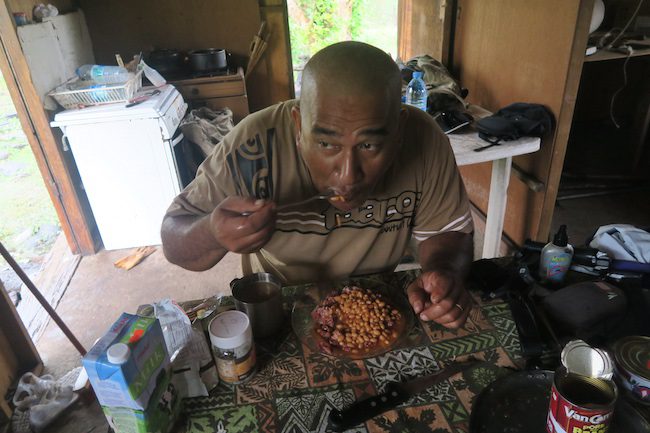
(351, 68)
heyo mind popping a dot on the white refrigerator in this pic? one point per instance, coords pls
(125, 157)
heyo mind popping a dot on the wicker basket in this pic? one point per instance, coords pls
(69, 97)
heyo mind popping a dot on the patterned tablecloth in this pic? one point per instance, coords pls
(295, 388)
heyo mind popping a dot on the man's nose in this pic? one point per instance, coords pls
(350, 169)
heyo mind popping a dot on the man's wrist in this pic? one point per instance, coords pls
(209, 228)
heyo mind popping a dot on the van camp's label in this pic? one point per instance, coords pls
(565, 417)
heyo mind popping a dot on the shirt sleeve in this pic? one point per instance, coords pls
(236, 167)
(444, 206)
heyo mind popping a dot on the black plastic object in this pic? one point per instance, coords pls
(519, 403)
(453, 120)
(561, 239)
(587, 308)
(514, 121)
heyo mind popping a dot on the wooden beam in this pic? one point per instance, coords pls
(79, 232)
(278, 53)
(18, 354)
(565, 117)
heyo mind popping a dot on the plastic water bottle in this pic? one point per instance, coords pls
(103, 74)
(416, 92)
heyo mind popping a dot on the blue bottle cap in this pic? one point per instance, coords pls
(418, 74)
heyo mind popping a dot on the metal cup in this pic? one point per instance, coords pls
(260, 297)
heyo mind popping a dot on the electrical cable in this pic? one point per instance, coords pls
(622, 32)
(611, 103)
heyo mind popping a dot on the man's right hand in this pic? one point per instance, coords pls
(243, 225)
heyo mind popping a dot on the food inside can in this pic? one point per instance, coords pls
(580, 404)
(632, 362)
(583, 394)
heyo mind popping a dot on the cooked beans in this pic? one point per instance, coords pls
(355, 319)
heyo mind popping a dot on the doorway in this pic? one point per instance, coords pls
(314, 25)
(28, 222)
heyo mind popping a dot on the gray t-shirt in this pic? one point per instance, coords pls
(421, 195)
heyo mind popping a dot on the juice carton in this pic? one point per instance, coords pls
(158, 417)
(128, 363)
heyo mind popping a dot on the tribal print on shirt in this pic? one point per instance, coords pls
(251, 166)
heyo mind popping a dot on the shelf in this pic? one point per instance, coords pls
(604, 55)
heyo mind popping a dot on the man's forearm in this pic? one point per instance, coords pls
(451, 252)
(188, 242)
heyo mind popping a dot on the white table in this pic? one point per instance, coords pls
(463, 143)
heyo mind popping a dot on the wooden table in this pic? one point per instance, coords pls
(464, 144)
(295, 388)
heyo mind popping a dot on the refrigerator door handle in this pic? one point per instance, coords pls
(177, 138)
(65, 143)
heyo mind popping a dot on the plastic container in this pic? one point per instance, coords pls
(416, 92)
(101, 74)
(77, 93)
(231, 336)
(555, 259)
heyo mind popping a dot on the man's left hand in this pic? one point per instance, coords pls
(440, 296)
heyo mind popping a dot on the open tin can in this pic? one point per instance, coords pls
(583, 394)
(632, 366)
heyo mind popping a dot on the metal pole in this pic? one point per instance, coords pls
(32, 288)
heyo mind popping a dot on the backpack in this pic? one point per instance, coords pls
(515, 121)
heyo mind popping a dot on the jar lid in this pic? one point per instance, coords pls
(118, 353)
(230, 329)
(580, 358)
(633, 355)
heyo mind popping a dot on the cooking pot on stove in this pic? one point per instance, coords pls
(166, 61)
(208, 60)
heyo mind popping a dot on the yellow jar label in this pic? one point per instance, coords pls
(237, 370)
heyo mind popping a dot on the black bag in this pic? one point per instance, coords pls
(514, 121)
(587, 310)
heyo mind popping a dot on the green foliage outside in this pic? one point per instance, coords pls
(315, 24)
(28, 222)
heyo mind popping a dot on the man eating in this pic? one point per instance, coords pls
(386, 171)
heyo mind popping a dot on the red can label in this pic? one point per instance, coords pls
(566, 417)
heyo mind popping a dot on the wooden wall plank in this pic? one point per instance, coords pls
(76, 222)
(278, 79)
(509, 51)
(422, 28)
(128, 27)
(149, 24)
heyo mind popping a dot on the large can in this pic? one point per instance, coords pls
(583, 395)
(632, 362)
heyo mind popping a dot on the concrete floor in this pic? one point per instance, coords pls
(99, 292)
(583, 216)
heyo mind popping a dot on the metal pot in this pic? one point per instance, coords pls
(208, 60)
(166, 61)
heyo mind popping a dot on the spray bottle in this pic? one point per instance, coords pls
(555, 258)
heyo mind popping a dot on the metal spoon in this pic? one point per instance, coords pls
(320, 196)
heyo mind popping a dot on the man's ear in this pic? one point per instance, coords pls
(295, 116)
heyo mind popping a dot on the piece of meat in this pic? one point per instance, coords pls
(323, 316)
